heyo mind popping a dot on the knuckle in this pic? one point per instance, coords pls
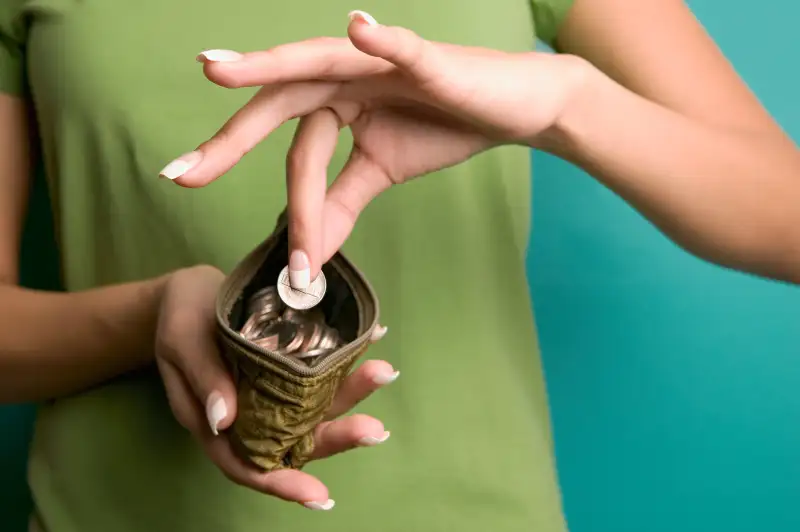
(230, 143)
(180, 321)
(296, 158)
(299, 227)
(346, 210)
(412, 46)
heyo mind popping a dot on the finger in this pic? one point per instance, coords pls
(188, 412)
(358, 430)
(402, 47)
(360, 181)
(265, 112)
(293, 486)
(306, 182)
(197, 360)
(324, 58)
(369, 377)
(287, 484)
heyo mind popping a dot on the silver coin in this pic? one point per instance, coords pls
(330, 339)
(301, 299)
(313, 353)
(312, 332)
(292, 347)
(278, 336)
(264, 300)
(294, 315)
(254, 326)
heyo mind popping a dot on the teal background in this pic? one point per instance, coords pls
(673, 383)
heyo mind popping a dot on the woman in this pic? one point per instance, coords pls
(114, 97)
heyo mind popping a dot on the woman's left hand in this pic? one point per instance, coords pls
(413, 106)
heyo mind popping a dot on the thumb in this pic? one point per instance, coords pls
(212, 386)
(400, 46)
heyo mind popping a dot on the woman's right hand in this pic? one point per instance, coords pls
(202, 394)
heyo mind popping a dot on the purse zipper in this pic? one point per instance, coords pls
(332, 358)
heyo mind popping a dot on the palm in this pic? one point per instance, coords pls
(406, 142)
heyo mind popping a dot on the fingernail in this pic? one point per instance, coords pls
(386, 378)
(299, 270)
(216, 410)
(362, 16)
(377, 333)
(219, 56)
(181, 165)
(314, 505)
(369, 441)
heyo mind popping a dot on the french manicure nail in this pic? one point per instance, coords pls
(299, 270)
(181, 165)
(314, 505)
(386, 378)
(369, 441)
(219, 56)
(377, 333)
(363, 16)
(216, 410)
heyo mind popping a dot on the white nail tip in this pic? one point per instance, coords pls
(372, 440)
(378, 333)
(366, 17)
(216, 412)
(300, 279)
(176, 168)
(387, 379)
(221, 56)
(314, 505)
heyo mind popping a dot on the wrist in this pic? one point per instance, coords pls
(584, 87)
(152, 294)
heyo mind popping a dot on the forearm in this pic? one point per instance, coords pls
(731, 197)
(54, 344)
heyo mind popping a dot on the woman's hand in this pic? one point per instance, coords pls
(413, 107)
(203, 397)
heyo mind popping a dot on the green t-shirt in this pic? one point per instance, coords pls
(118, 94)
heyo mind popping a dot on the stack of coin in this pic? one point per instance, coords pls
(273, 326)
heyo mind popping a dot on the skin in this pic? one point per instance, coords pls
(707, 165)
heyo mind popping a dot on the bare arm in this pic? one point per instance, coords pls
(53, 344)
(670, 127)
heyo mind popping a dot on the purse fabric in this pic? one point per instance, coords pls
(280, 401)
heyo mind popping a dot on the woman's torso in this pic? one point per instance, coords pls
(118, 94)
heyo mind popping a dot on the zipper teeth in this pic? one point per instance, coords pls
(291, 362)
(330, 359)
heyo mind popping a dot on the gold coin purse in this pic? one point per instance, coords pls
(285, 385)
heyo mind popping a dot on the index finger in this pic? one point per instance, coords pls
(322, 58)
(306, 183)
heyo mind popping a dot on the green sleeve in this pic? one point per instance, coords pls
(12, 45)
(548, 16)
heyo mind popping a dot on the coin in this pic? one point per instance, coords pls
(265, 300)
(330, 339)
(279, 336)
(301, 333)
(312, 334)
(254, 325)
(301, 299)
(313, 353)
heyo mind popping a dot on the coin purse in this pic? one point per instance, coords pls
(280, 398)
